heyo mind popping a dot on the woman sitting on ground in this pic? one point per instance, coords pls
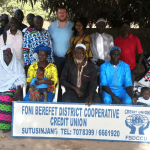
(80, 37)
(11, 81)
(50, 73)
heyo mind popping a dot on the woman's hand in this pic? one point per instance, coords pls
(18, 94)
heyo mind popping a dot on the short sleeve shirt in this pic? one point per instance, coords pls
(60, 37)
(129, 47)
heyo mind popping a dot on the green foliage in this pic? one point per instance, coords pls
(112, 10)
(8, 7)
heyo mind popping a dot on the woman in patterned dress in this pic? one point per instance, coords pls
(50, 72)
(79, 37)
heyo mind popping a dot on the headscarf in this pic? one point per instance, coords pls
(11, 75)
(115, 48)
(43, 48)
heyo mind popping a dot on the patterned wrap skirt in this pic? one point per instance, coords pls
(6, 99)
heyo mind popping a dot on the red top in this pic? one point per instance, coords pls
(129, 46)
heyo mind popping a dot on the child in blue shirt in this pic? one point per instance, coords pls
(38, 90)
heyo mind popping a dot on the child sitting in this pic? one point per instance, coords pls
(145, 97)
(38, 90)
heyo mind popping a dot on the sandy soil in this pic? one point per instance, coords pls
(9, 143)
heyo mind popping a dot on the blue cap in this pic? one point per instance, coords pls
(43, 48)
(115, 48)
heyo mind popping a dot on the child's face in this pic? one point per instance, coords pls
(40, 75)
(146, 95)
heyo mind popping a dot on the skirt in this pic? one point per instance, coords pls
(6, 99)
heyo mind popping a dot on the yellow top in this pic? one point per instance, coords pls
(50, 73)
(85, 39)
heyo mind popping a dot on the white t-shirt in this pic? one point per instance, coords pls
(142, 100)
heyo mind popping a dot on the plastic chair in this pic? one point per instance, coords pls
(56, 92)
(24, 90)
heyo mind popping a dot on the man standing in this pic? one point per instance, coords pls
(80, 79)
(101, 44)
(20, 16)
(130, 45)
(60, 32)
(115, 80)
(34, 37)
(4, 21)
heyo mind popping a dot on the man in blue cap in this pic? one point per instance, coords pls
(115, 80)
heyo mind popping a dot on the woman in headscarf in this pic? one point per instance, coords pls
(50, 72)
(11, 81)
(79, 37)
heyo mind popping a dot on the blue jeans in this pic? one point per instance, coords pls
(59, 62)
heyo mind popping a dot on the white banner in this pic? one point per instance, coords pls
(78, 121)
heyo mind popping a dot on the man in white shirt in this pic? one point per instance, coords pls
(101, 44)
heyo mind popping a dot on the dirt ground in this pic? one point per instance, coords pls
(9, 143)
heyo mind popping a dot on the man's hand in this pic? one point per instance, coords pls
(134, 70)
(134, 100)
(116, 99)
(78, 91)
(89, 100)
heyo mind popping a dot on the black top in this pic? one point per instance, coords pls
(22, 26)
(88, 78)
(2, 30)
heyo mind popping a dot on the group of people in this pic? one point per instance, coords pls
(38, 57)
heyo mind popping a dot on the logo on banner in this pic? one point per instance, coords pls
(137, 120)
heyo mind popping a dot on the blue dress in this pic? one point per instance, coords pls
(117, 78)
